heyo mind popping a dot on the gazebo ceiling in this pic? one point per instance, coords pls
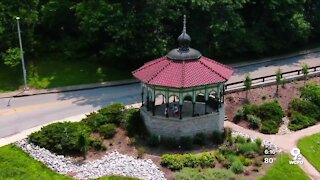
(183, 67)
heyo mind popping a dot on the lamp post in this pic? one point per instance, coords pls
(22, 58)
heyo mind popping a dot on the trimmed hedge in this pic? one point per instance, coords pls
(61, 137)
(179, 161)
(299, 121)
(204, 174)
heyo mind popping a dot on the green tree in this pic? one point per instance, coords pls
(247, 84)
(261, 18)
(28, 12)
(11, 57)
(305, 71)
(278, 80)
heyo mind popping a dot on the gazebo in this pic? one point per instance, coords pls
(182, 93)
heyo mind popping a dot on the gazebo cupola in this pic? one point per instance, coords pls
(183, 78)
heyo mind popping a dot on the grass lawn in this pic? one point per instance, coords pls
(16, 164)
(284, 171)
(56, 71)
(309, 147)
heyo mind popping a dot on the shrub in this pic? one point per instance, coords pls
(141, 152)
(206, 159)
(114, 113)
(248, 149)
(299, 121)
(172, 161)
(204, 174)
(225, 149)
(311, 92)
(220, 157)
(132, 141)
(178, 161)
(186, 142)
(271, 111)
(134, 124)
(97, 144)
(305, 107)
(258, 142)
(108, 130)
(227, 132)
(254, 121)
(61, 137)
(240, 139)
(217, 137)
(200, 138)
(250, 109)
(230, 141)
(237, 167)
(153, 140)
(269, 127)
(238, 116)
(245, 161)
(94, 120)
(170, 142)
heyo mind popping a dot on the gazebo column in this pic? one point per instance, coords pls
(180, 107)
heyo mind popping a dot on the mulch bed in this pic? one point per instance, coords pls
(235, 101)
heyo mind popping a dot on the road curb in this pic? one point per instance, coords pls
(16, 94)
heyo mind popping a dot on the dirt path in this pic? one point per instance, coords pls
(285, 142)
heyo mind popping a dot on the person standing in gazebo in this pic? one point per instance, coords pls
(175, 110)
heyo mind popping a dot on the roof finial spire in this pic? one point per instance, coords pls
(184, 24)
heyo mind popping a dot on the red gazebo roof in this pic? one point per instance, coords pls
(183, 74)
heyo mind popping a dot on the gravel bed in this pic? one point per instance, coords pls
(112, 163)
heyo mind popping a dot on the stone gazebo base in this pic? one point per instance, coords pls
(187, 126)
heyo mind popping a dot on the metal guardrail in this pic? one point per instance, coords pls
(273, 77)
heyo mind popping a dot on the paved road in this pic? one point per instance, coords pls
(31, 111)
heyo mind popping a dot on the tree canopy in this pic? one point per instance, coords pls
(133, 32)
